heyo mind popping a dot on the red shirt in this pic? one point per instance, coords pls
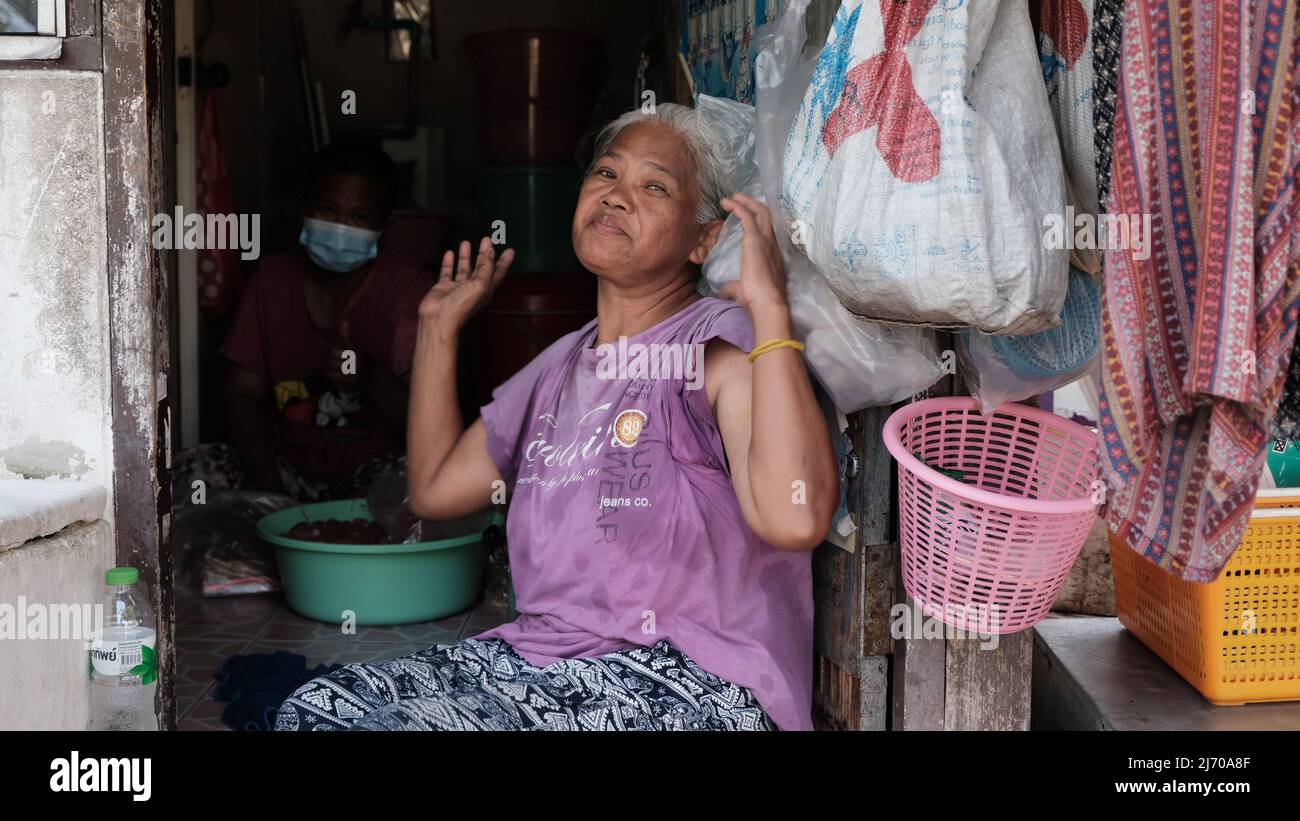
(322, 431)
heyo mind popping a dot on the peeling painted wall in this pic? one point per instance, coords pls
(43, 682)
(55, 392)
(55, 382)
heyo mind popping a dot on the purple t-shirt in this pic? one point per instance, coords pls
(624, 528)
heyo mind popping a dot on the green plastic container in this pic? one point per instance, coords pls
(536, 205)
(1284, 462)
(380, 584)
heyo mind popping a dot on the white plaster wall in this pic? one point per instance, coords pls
(43, 682)
(55, 389)
(55, 393)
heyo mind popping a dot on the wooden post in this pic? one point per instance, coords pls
(852, 595)
(136, 132)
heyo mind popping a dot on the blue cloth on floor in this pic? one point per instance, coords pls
(256, 686)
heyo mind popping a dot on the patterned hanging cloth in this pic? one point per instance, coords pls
(1198, 331)
(715, 45)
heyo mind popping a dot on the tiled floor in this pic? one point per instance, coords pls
(210, 630)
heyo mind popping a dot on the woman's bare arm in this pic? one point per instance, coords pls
(782, 463)
(449, 472)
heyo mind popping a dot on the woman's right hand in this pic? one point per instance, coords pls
(461, 290)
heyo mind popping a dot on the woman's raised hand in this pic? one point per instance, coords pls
(461, 290)
(762, 269)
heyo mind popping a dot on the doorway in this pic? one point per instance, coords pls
(262, 87)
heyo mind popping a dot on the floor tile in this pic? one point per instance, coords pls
(482, 619)
(229, 618)
(347, 652)
(211, 630)
(196, 661)
(206, 715)
(289, 626)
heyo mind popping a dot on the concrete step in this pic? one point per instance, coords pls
(1090, 673)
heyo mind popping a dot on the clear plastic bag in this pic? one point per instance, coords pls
(1000, 369)
(390, 507)
(217, 541)
(389, 503)
(860, 363)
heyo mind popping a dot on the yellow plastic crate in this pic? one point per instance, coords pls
(1236, 639)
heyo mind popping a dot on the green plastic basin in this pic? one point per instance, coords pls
(378, 584)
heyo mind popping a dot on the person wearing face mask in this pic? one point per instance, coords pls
(320, 350)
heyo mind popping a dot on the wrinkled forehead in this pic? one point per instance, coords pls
(655, 145)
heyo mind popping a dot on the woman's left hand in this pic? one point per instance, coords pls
(762, 269)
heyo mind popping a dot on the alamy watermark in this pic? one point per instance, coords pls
(961, 621)
(659, 360)
(208, 232)
(1108, 232)
(36, 620)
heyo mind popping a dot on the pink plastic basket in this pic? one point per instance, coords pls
(989, 552)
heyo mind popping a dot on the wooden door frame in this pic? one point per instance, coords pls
(137, 71)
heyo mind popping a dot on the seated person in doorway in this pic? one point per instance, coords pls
(321, 347)
(660, 528)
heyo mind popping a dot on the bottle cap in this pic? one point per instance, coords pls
(122, 576)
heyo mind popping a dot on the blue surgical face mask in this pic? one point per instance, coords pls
(338, 248)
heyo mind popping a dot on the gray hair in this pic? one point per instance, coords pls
(707, 149)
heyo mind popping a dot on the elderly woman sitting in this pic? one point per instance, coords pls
(660, 525)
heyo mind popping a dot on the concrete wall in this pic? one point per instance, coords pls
(54, 386)
(55, 395)
(43, 682)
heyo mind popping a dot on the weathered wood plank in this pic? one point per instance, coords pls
(919, 670)
(989, 689)
(135, 80)
(873, 512)
(851, 700)
(837, 604)
(836, 696)
(853, 592)
(919, 681)
(873, 694)
(873, 488)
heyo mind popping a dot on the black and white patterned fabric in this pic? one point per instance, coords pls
(1107, 17)
(1286, 424)
(486, 685)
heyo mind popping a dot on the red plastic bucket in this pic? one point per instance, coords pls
(536, 89)
(526, 314)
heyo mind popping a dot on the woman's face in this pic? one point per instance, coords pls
(636, 210)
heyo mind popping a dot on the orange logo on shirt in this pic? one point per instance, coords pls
(627, 427)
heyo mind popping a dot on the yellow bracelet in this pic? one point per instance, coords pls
(772, 345)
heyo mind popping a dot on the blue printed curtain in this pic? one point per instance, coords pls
(716, 38)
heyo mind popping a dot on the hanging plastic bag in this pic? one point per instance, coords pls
(1002, 369)
(859, 363)
(922, 163)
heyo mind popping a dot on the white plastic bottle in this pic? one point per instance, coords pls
(123, 665)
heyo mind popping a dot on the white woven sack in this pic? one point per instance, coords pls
(922, 163)
(1065, 46)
